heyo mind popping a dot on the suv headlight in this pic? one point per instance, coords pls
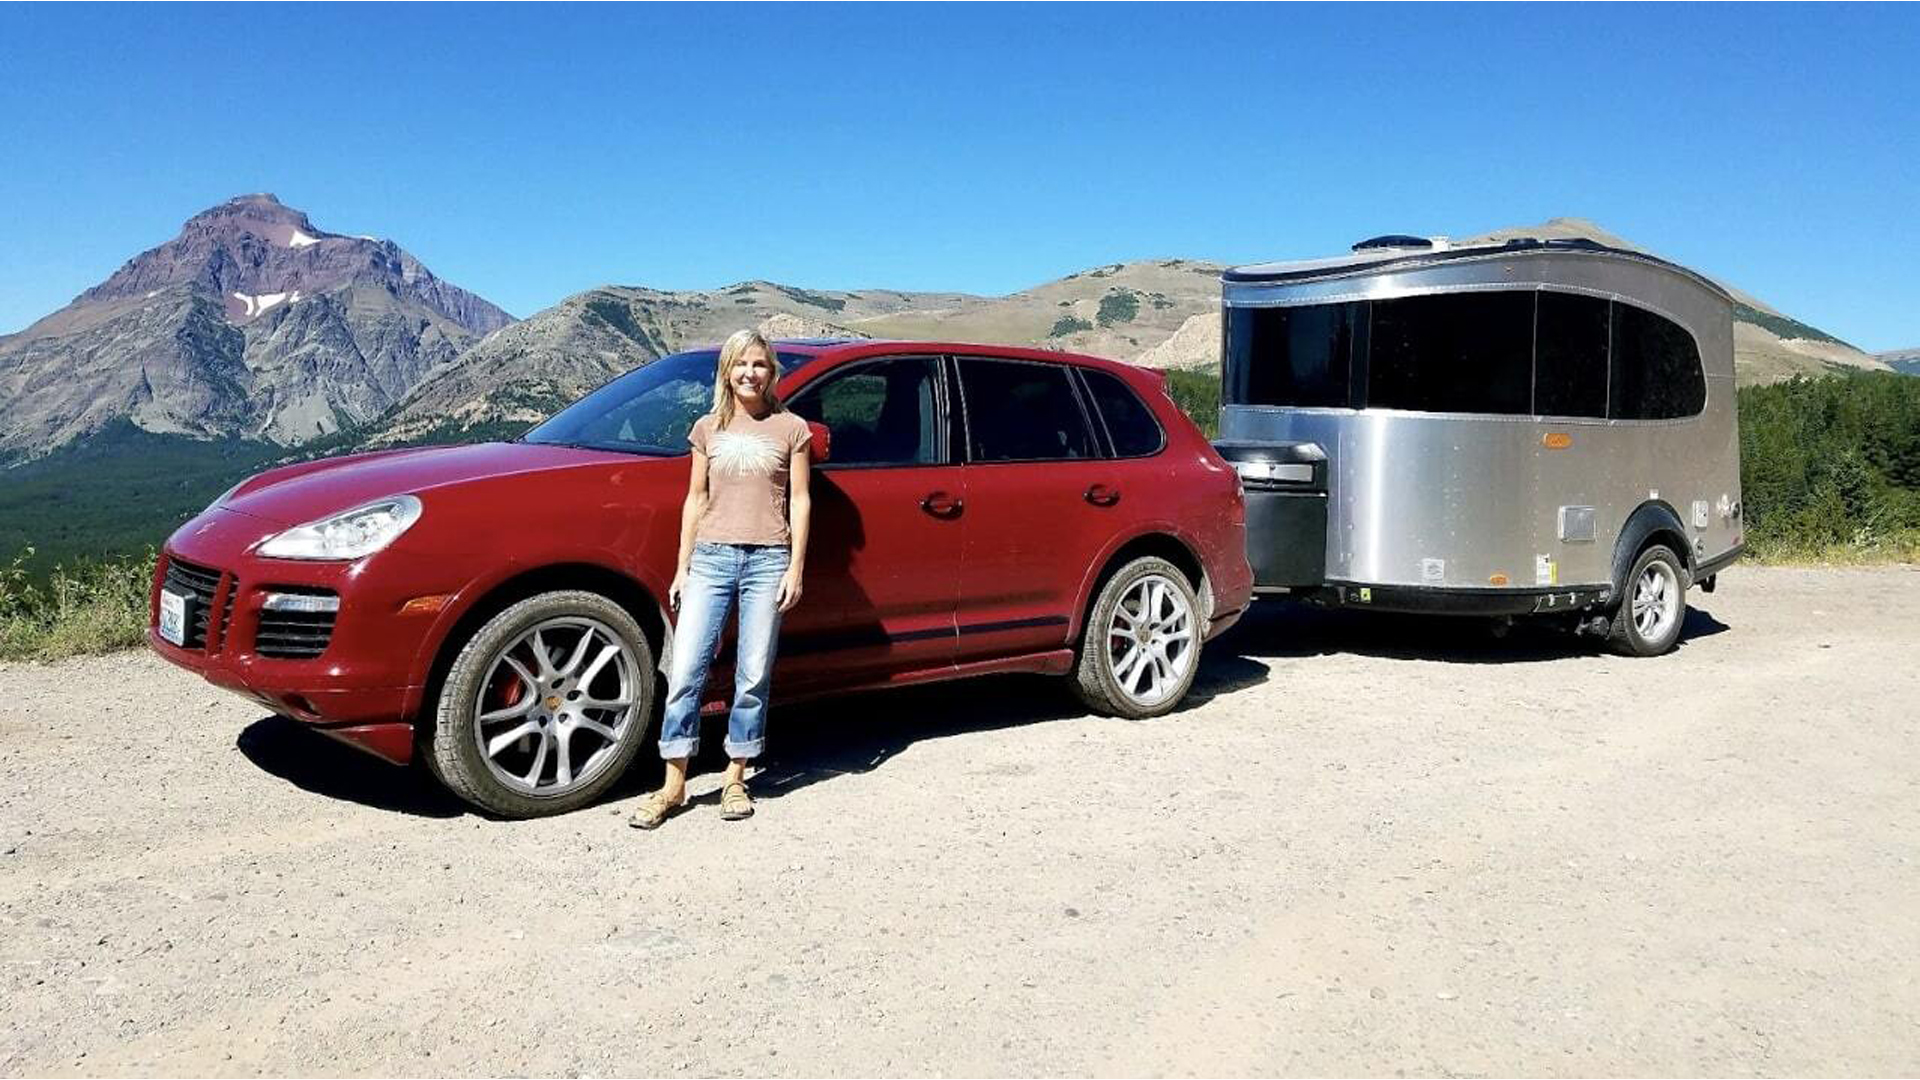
(349, 534)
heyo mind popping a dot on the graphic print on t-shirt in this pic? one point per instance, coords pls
(743, 455)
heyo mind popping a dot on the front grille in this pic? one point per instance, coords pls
(217, 635)
(201, 584)
(294, 635)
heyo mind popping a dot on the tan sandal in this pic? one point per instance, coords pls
(735, 803)
(653, 810)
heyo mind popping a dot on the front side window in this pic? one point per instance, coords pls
(1131, 426)
(1458, 353)
(1656, 368)
(1290, 356)
(1023, 412)
(649, 410)
(883, 413)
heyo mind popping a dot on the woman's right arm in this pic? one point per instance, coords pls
(690, 514)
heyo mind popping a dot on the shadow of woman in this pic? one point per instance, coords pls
(312, 762)
(857, 733)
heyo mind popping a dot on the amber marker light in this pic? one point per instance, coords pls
(1556, 440)
(425, 605)
(1497, 579)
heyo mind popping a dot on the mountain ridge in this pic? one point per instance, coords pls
(250, 322)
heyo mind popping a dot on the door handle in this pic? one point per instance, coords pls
(941, 504)
(1102, 495)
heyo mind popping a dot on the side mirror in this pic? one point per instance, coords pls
(822, 445)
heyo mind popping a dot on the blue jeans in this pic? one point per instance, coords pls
(715, 574)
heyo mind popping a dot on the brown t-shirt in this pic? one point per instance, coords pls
(747, 472)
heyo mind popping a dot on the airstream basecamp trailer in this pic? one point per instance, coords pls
(1535, 427)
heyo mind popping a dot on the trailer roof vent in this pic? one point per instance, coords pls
(1393, 240)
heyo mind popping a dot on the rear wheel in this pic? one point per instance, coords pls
(545, 706)
(1141, 645)
(1653, 605)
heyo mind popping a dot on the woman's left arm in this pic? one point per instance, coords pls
(799, 515)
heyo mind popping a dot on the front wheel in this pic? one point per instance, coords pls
(1647, 622)
(545, 706)
(1141, 646)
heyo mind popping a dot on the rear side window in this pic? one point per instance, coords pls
(1570, 355)
(1023, 412)
(1463, 352)
(1656, 368)
(1130, 424)
(1291, 356)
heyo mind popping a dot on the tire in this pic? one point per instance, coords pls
(522, 737)
(1140, 647)
(1653, 604)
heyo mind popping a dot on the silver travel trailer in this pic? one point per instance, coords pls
(1535, 427)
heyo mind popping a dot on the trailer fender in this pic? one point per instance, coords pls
(1654, 518)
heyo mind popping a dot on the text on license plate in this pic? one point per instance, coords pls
(173, 617)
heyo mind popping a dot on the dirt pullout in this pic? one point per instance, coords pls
(1369, 845)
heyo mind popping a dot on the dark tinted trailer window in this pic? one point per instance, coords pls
(1570, 355)
(1130, 424)
(1023, 412)
(1458, 352)
(884, 413)
(1294, 356)
(1656, 368)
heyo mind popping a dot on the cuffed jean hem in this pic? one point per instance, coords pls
(741, 751)
(678, 748)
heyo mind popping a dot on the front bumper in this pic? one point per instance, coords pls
(365, 683)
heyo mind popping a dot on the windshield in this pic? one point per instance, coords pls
(649, 410)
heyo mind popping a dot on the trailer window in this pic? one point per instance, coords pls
(1570, 355)
(1459, 352)
(1655, 370)
(1297, 356)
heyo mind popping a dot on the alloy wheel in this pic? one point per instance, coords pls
(1150, 640)
(555, 705)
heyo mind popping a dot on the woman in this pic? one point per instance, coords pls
(742, 534)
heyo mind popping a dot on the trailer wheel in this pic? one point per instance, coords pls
(1652, 605)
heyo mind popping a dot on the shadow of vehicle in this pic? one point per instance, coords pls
(312, 762)
(838, 735)
(1278, 629)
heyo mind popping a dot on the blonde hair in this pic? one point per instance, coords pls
(723, 400)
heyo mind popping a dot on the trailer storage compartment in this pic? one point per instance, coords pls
(1286, 486)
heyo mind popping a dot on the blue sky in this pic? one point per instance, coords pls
(531, 152)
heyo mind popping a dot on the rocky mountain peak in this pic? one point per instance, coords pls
(254, 253)
(251, 321)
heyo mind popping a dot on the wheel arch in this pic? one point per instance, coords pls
(1163, 543)
(1654, 521)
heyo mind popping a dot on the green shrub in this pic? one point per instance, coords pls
(1117, 307)
(1067, 324)
(91, 606)
(1197, 393)
(1830, 467)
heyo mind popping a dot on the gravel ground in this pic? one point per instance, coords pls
(1367, 845)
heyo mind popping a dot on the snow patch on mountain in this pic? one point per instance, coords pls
(262, 303)
(300, 239)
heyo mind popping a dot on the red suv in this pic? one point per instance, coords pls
(499, 606)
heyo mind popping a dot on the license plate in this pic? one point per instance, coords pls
(173, 617)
